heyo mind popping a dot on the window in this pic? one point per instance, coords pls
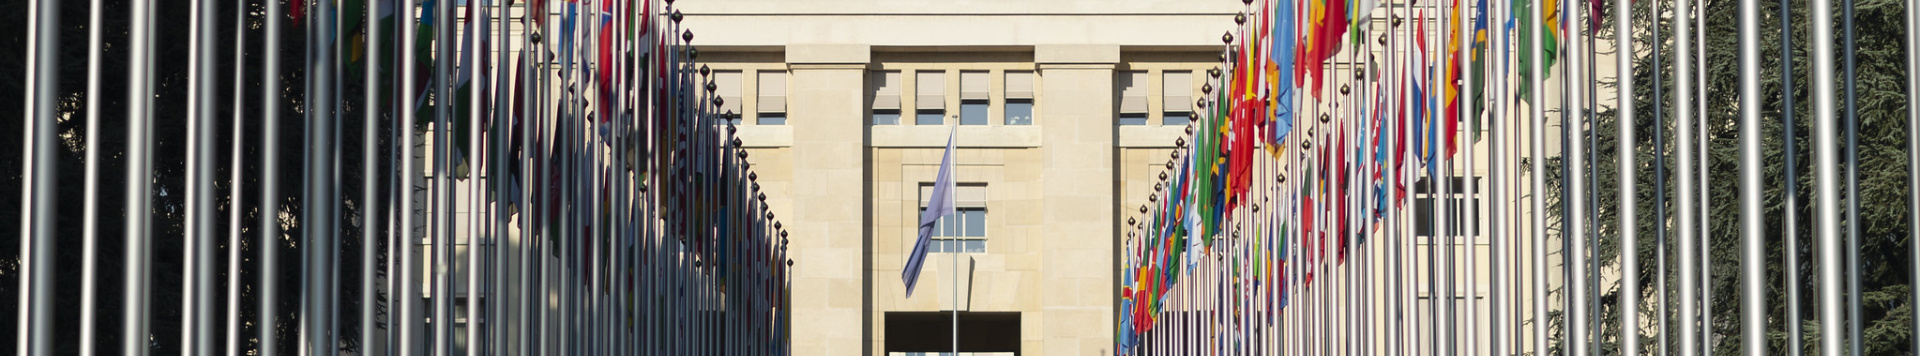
(772, 104)
(1176, 98)
(886, 97)
(727, 84)
(1019, 112)
(973, 112)
(934, 117)
(1019, 106)
(973, 98)
(1133, 97)
(886, 117)
(1176, 118)
(1463, 207)
(966, 230)
(930, 98)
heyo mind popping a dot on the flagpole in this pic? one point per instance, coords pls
(1496, 166)
(1398, 339)
(1913, 153)
(1537, 174)
(1577, 259)
(369, 171)
(139, 164)
(1660, 188)
(1753, 222)
(1852, 181)
(1469, 218)
(1629, 227)
(1827, 197)
(1704, 219)
(404, 242)
(234, 168)
(1791, 225)
(36, 290)
(1683, 110)
(196, 330)
(953, 245)
(89, 287)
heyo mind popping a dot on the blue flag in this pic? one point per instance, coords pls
(1283, 37)
(940, 205)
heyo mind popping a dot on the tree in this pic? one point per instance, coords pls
(1886, 308)
(170, 82)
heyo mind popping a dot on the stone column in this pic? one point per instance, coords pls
(827, 230)
(1077, 115)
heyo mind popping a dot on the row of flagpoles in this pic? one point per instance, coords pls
(1272, 191)
(601, 202)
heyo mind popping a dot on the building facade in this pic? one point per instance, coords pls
(1062, 111)
(1059, 108)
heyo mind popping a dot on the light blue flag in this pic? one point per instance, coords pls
(1284, 38)
(940, 205)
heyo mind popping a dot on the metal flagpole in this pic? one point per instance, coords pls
(90, 214)
(443, 182)
(1576, 197)
(139, 171)
(1394, 237)
(1753, 222)
(524, 208)
(1348, 274)
(29, 124)
(1469, 227)
(1852, 181)
(475, 35)
(234, 169)
(1448, 229)
(318, 199)
(1913, 154)
(1496, 166)
(1629, 228)
(1433, 219)
(1538, 176)
(1704, 219)
(369, 174)
(1824, 157)
(1791, 214)
(1683, 110)
(36, 292)
(1660, 185)
(197, 317)
(541, 207)
(405, 243)
(270, 198)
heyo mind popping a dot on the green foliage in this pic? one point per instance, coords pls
(1886, 307)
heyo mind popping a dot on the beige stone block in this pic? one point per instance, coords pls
(1076, 53)
(846, 237)
(1015, 212)
(809, 292)
(828, 53)
(1007, 292)
(844, 293)
(1078, 157)
(890, 213)
(1022, 262)
(1059, 345)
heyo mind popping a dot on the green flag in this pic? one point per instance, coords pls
(1550, 45)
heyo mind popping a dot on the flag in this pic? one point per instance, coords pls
(1280, 64)
(1477, 57)
(939, 205)
(1452, 81)
(1549, 44)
